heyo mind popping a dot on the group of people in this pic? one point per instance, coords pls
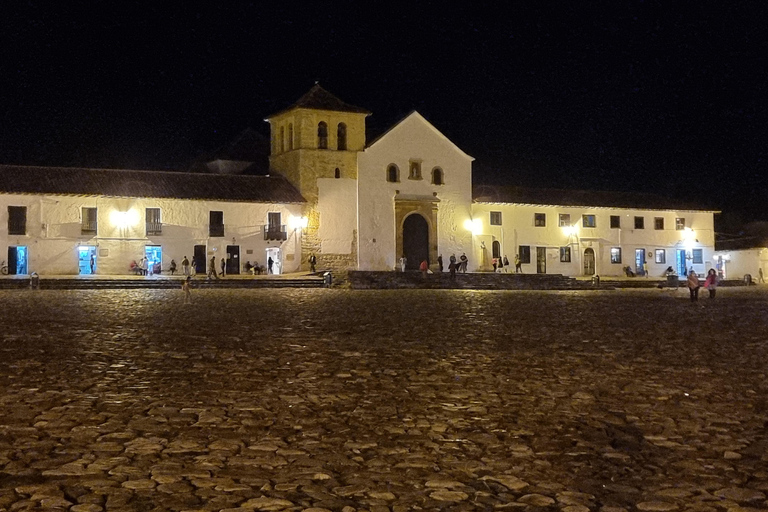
(710, 283)
(460, 264)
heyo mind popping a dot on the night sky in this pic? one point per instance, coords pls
(665, 97)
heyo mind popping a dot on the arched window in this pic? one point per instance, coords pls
(341, 137)
(437, 176)
(338, 173)
(290, 136)
(282, 139)
(322, 135)
(393, 173)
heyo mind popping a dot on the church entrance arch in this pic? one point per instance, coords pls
(415, 240)
(589, 262)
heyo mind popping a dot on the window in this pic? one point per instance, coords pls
(588, 221)
(565, 254)
(274, 230)
(17, 220)
(615, 222)
(437, 176)
(639, 222)
(615, 254)
(415, 170)
(495, 218)
(698, 256)
(88, 221)
(658, 223)
(290, 136)
(525, 253)
(337, 173)
(393, 174)
(154, 225)
(679, 223)
(539, 220)
(341, 137)
(661, 256)
(216, 224)
(322, 135)
(564, 220)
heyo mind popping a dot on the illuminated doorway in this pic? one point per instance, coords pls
(86, 259)
(17, 260)
(154, 254)
(274, 254)
(415, 241)
(639, 261)
(680, 262)
(589, 262)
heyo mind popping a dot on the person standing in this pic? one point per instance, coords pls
(501, 265)
(185, 290)
(173, 267)
(403, 263)
(93, 263)
(212, 268)
(518, 265)
(223, 267)
(693, 285)
(464, 261)
(312, 262)
(710, 283)
(440, 262)
(495, 264)
(760, 275)
(185, 266)
(424, 266)
(645, 268)
(506, 262)
(452, 266)
(143, 265)
(270, 263)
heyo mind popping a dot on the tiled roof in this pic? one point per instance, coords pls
(319, 99)
(582, 198)
(16, 179)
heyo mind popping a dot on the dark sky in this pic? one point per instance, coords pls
(666, 97)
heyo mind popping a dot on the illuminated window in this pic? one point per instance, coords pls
(322, 135)
(564, 220)
(679, 223)
(437, 176)
(615, 222)
(658, 223)
(615, 254)
(540, 220)
(495, 218)
(661, 256)
(524, 251)
(698, 256)
(415, 170)
(341, 137)
(588, 221)
(639, 222)
(565, 254)
(17, 220)
(393, 174)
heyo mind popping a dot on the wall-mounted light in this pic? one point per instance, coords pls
(124, 220)
(474, 225)
(298, 222)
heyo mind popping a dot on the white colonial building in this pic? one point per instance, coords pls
(355, 205)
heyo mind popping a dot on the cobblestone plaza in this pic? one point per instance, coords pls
(383, 400)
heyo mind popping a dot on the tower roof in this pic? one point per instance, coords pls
(318, 98)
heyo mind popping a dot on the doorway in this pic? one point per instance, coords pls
(680, 262)
(415, 241)
(17, 260)
(274, 254)
(589, 262)
(233, 259)
(541, 260)
(639, 261)
(86, 259)
(199, 257)
(154, 254)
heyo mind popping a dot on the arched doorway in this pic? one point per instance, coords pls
(415, 240)
(496, 249)
(589, 262)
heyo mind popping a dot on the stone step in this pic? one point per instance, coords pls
(126, 284)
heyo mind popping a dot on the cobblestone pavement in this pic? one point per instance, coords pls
(383, 400)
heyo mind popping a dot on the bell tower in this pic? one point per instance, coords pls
(314, 144)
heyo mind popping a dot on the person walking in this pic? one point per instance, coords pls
(463, 261)
(440, 262)
(193, 267)
(760, 275)
(173, 267)
(212, 268)
(645, 268)
(312, 262)
(693, 285)
(710, 283)
(501, 268)
(424, 266)
(506, 263)
(185, 266)
(270, 263)
(518, 265)
(223, 267)
(403, 263)
(185, 290)
(93, 263)
(452, 266)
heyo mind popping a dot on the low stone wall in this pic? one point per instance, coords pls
(472, 281)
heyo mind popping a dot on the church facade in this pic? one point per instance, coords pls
(354, 205)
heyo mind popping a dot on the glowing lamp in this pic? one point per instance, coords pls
(124, 219)
(474, 225)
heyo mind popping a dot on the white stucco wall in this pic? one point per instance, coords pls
(745, 261)
(518, 229)
(412, 139)
(337, 206)
(54, 231)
